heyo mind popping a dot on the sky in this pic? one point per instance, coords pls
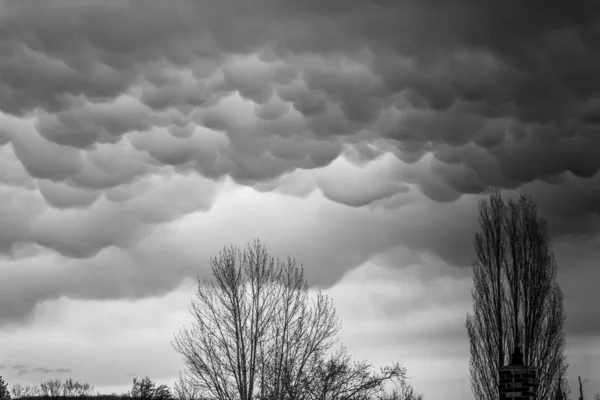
(138, 138)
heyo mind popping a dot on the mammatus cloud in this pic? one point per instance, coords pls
(117, 118)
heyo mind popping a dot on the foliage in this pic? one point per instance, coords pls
(4, 392)
(146, 389)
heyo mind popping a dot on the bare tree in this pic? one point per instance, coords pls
(341, 378)
(17, 391)
(51, 388)
(249, 321)
(82, 389)
(257, 331)
(516, 300)
(68, 388)
(403, 391)
(302, 333)
(25, 391)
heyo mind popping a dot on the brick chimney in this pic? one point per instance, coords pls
(517, 381)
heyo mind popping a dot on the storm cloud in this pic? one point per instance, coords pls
(119, 119)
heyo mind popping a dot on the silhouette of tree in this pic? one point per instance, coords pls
(18, 391)
(147, 389)
(340, 377)
(71, 388)
(51, 388)
(516, 300)
(256, 331)
(4, 392)
(185, 389)
(57, 388)
(581, 386)
(80, 388)
(563, 391)
(68, 388)
(162, 392)
(403, 391)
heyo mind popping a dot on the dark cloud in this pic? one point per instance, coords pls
(451, 76)
(13, 366)
(108, 107)
(25, 369)
(49, 370)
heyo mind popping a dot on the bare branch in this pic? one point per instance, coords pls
(516, 300)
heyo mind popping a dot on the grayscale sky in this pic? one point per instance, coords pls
(139, 137)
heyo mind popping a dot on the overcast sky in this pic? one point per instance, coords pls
(137, 138)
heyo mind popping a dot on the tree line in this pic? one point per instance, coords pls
(57, 389)
(144, 389)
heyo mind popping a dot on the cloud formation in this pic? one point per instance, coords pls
(120, 117)
(25, 369)
(503, 107)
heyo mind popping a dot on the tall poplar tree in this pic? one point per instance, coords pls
(516, 299)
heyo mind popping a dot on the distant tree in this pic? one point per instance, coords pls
(163, 393)
(68, 388)
(17, 391)
(51, 388)
(257, 333)
(403, 391)
(516, 299)
(28, 391)
(4, 392)
(146, 389)
(142, 389)
(75, 388)
(57, 388)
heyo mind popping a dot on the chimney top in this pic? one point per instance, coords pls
(517, 357)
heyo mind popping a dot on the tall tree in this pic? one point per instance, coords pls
(516, 299)
(258, 333)
(249, 322)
